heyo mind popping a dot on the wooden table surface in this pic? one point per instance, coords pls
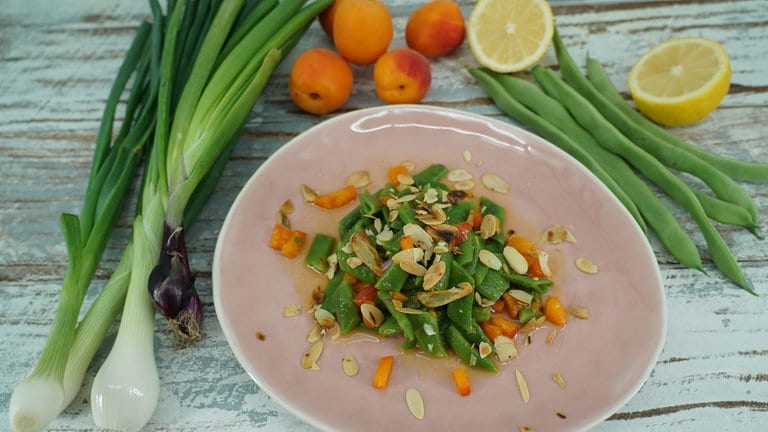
(58, 59)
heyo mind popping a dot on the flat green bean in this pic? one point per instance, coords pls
(725, 212)
(518, 112)
(654, 212)
(672, 156)
(734, 168)
(612, 139)
(430, 175)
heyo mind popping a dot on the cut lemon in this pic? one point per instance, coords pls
(510, 35)
(680, 81)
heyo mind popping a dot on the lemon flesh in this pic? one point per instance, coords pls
(510, 35)
(680, 81)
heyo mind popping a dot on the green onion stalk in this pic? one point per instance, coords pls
(199, 71)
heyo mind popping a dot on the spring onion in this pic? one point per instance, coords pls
(193, 89)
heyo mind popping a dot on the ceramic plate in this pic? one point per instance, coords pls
(604, 360)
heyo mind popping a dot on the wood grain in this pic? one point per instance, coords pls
(56, 69)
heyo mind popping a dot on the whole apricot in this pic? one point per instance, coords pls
(320, 81)
(327, 17)
(436, 28)
(362, 30)
(402, 75)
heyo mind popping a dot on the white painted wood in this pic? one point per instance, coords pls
(58, 59)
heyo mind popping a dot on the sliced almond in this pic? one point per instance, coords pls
(433, 299)
(495, 183)
(523, 386)
(557, 234)
(291, 310)
(516, 260)
(506, 348)
(485, 349)
(315, 334)
(359, 179)
(544, 263)
(579, 311)
(489, 226)
(354, 262)
(285, 209)
(324, 318)
(364, 250)
(415, 403)
(532, 324)
(489, 259)
(372, 315)
(409, 166)
(419, 236)
(413, 268)
(458, 175)
(467, 156)
(464, 185)
(586, 266)
(431, 196)
(405, 179)
(433, 275)
(309, 361)
(556, 377)
(435, 216)
(411, 254)
(308, 193)
(521, 296)
(349, 365)
(406, 310)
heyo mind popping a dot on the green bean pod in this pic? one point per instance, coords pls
(734, 168)
(655, 213)
(612, 139)
(516, 111)
(672, 156)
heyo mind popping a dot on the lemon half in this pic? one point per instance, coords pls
(510, 35)
(680, 81)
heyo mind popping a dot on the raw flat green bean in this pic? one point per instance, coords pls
(672, 156)
(612, 139)
(725, 212)
(321, 248)
(518, 112)
(734, 168)
(654, 212)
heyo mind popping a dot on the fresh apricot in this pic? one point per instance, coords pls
(402, 75)
(320, 81)
(327, 17)
(362, 30)
(436, 28)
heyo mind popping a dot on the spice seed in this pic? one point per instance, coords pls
(526, 429)
(579, 311)
(415, 403)
(349, 364)
(523, 386)
(551, 336)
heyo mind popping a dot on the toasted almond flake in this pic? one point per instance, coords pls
(358, 179)
(431, 196)
(482, 301)
(433, 275)
(551, 336)
(315, 334)
(405, 179)
(435, 216)
(495, 183)
(364, 250)
(489, 259)
(464, 185)
(526, 429)
(556, 377)
(349, 365)
(467, 156)
(458, 175)
(377, 224)
(441, 249)
(354, 262)
(515, 259)
(586, 266)
(406, 310)
(385, 236)
(420, 237)
(557, 234)
(406, 198)
(285, 209)
(412, 254)
(308, 193)
(506, 348)
(523, 386)
(434, 299)
(347, 248)
(333, 260)
(485, 349)
(522, 296)
(544, 263)
(291, 310)
(409, 166)
(532, 324)
(372, 315)
(412, 267)
(415, 403)
(489, 226)
(561, 415)
(393, 214)
(324, 318)
(579, 311)
(310, 358)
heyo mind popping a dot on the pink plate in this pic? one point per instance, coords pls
(604, 360)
